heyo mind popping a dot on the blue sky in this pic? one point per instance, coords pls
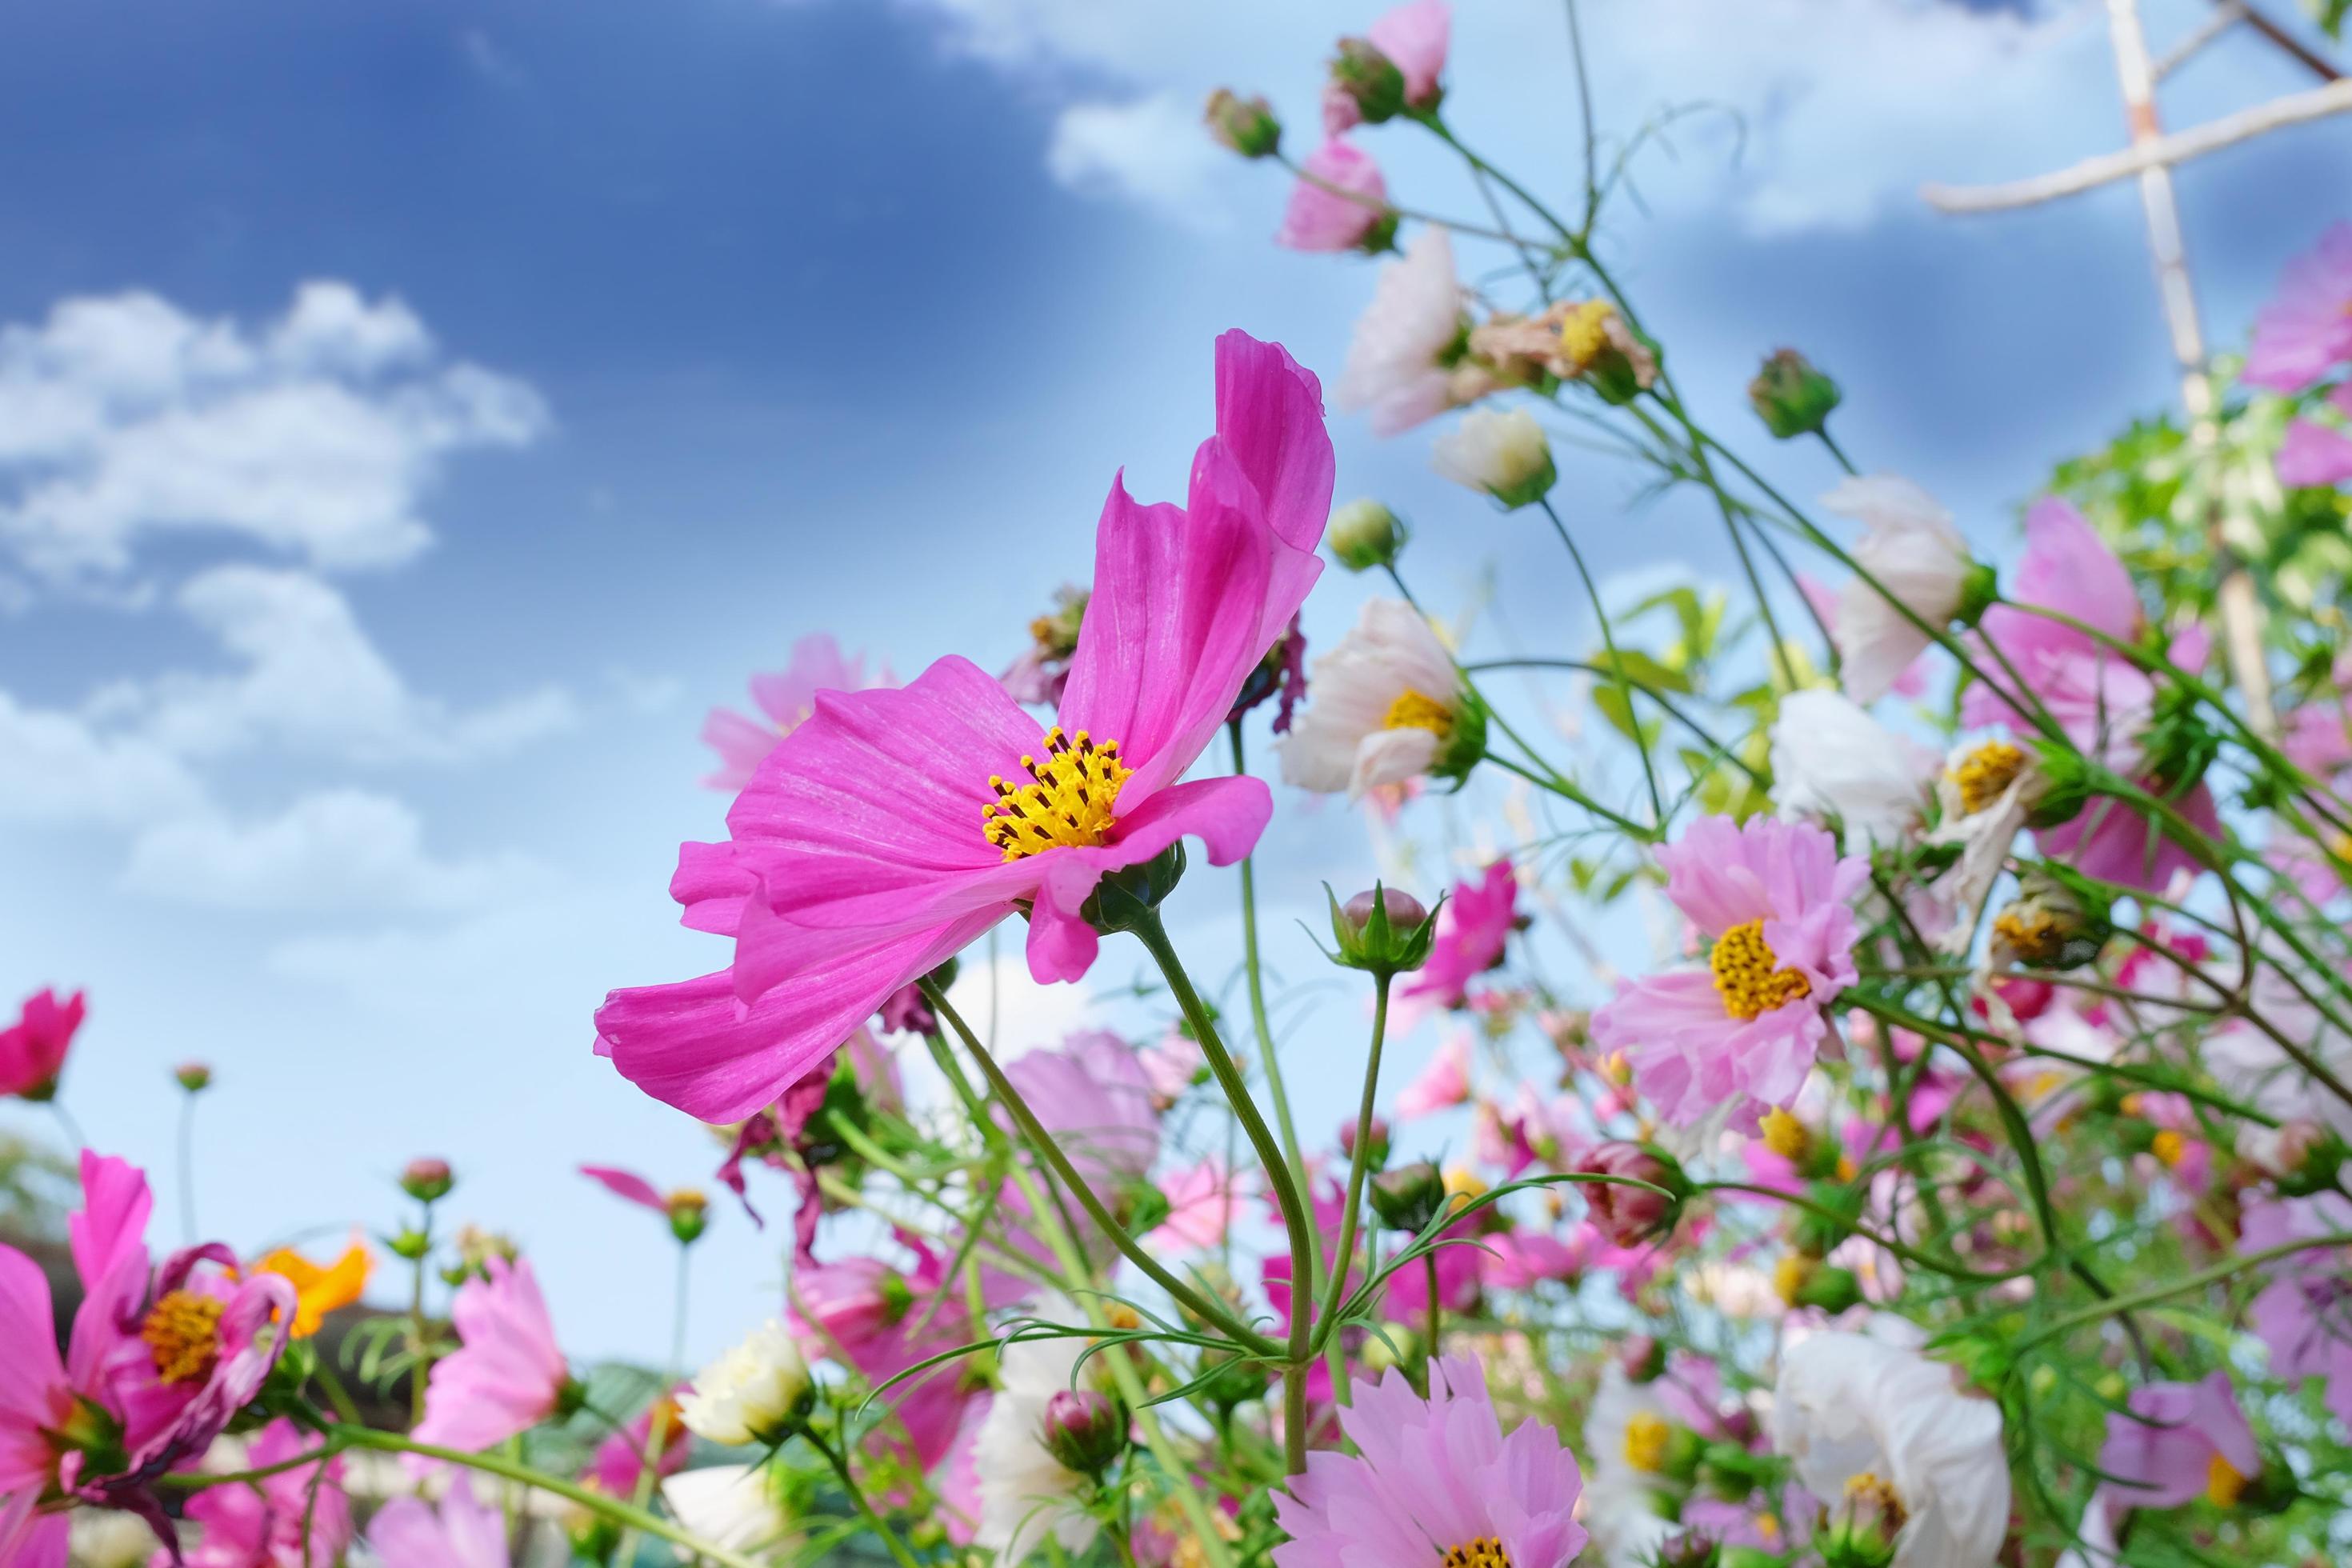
(352, 658)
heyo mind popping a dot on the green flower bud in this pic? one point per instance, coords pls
(1790, 396)
(1244, 125)
(1384, 931)
(1370, 78)
(1364, 534)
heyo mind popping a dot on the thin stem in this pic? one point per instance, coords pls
(1360, 1163)
(65, 1120)
(890, 1542)
(1836, 451)
(187, 1163)
(1616, 661)
(1254, 968)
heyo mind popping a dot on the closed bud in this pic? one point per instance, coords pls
(1083, 1429)
(1376, 1141)
(1689, 1549)
(408, 1243)
(1244, 125)
(756, 1392)
(1790, 396)
(1383, 930)
(1504, 453)
(689, 1213)
(2307, 1157)
(427, 1180)
(1364, 534)
(1369, 78)
(1627, 1215)
(194, 1077)
(1408, 1197)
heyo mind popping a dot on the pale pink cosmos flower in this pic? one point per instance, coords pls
(2317, 454)
(2176, 1442)
(1201, 1202)
(1395, 356)
(618, 1464)
(787, 700)
(408, 1532)
(1432, 1478)
(507, 1373)
(1319, 217)
(1415, 37)
(2102, 700)
(894, 827)
(32, 1050)
(1742, 1032)
(1442, 1084)
(2306, 329)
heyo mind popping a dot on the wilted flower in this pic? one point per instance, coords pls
(1044, 668)
(1385, 706)
(1501, 452)
(754, 1393)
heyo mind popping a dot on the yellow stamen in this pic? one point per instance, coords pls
(1768, 1525)
(1584, 335)
(1785, 1136)
(1747, 973)
(183, 1335)
(1486, 1552)
(2223, 1483)
(2033, 935)
(1067, 802)
(2169, 1146)
(1985, 773)
(1790, 1276)
(1416, 710)
(1846, 1169)
(1648, 1436)
(1867, 1488)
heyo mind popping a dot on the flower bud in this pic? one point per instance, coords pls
(1503, 453)
(427, 1179)
(1370, 79)
(2053, 922)
(1364, 534)
(1376, 1138)
(755, 1393)
(2307, 1156)
(1230, 1380)
(1244, 125)
(194, 1077)
(1790, 396)
(1629, 1215)
(1862, 1529)
(1408, 1197)
(1690, 1549)
(689, 1212)
(409, 1243)
(1384, 929)
(1083, 1430)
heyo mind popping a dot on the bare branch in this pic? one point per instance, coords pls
(2319, 65)
(2177, 148)
(2227, 14)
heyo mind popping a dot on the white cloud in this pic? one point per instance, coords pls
(55, 769)
(1834, 132)
(335, 851)
(311, 681)
(1151, 151)
(316, 436)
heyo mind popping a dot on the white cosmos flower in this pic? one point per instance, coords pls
(1620, 1496)
(1869, 1408)
(1909, 545)
(1381, 705)
(1415, 315)
(1987, 790)
(1829, 758)
(1501, 452)
(1026, 1495)
(750, 1392)
(733, 1506)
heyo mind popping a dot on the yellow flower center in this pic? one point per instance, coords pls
(1790, 1276)
(1417, 711)
(1985, 773)
(1785, 1136)
(1646, 1437)
(2223, 1483)
(183, 1335)
(2339, 846)
(1768, 1525)
(1749, 976)
(1585, 334)
(1486, 1552)
(2169, 1146)
(2033, 936)
(1066, 804)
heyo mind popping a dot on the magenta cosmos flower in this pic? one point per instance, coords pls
(159, 1362)
(1744, 1030)
(894, 827)
(787, 700)
(2306, 329)
(1337, 203)
(1436, 1482)
(294, 1518)
(2103, 702)
(32, 1050)
(506, 1375)
(1471, 932)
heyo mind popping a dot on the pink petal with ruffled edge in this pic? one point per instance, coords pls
(626, 1185)
(33, 1393)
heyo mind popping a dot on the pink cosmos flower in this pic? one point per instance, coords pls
(506, 1375)
(628, 1186)
(297, 1518)
(1093, 1097)
(787, 700)
(1201, 1202)
(2101, 701)
(167, 1355)
(1414, 36)
(2313, 454)
(2304, 1314)
(32, 1050)
(1442, 1084)
(1743, 1031)
(894, 827)
(883, 1322)
(619, 1461)
(1461, 1271)
(2175, 1442)
(1435, 1480)
(1319, 218)
(407, 1532)
(1525, 1258)
(1472, 931)
(2306, 329)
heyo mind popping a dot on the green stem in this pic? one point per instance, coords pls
(1616, 662)
(1343, 1256)
(1276, 1088)
(890, 1542)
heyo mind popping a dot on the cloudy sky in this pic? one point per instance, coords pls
(414, 417)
